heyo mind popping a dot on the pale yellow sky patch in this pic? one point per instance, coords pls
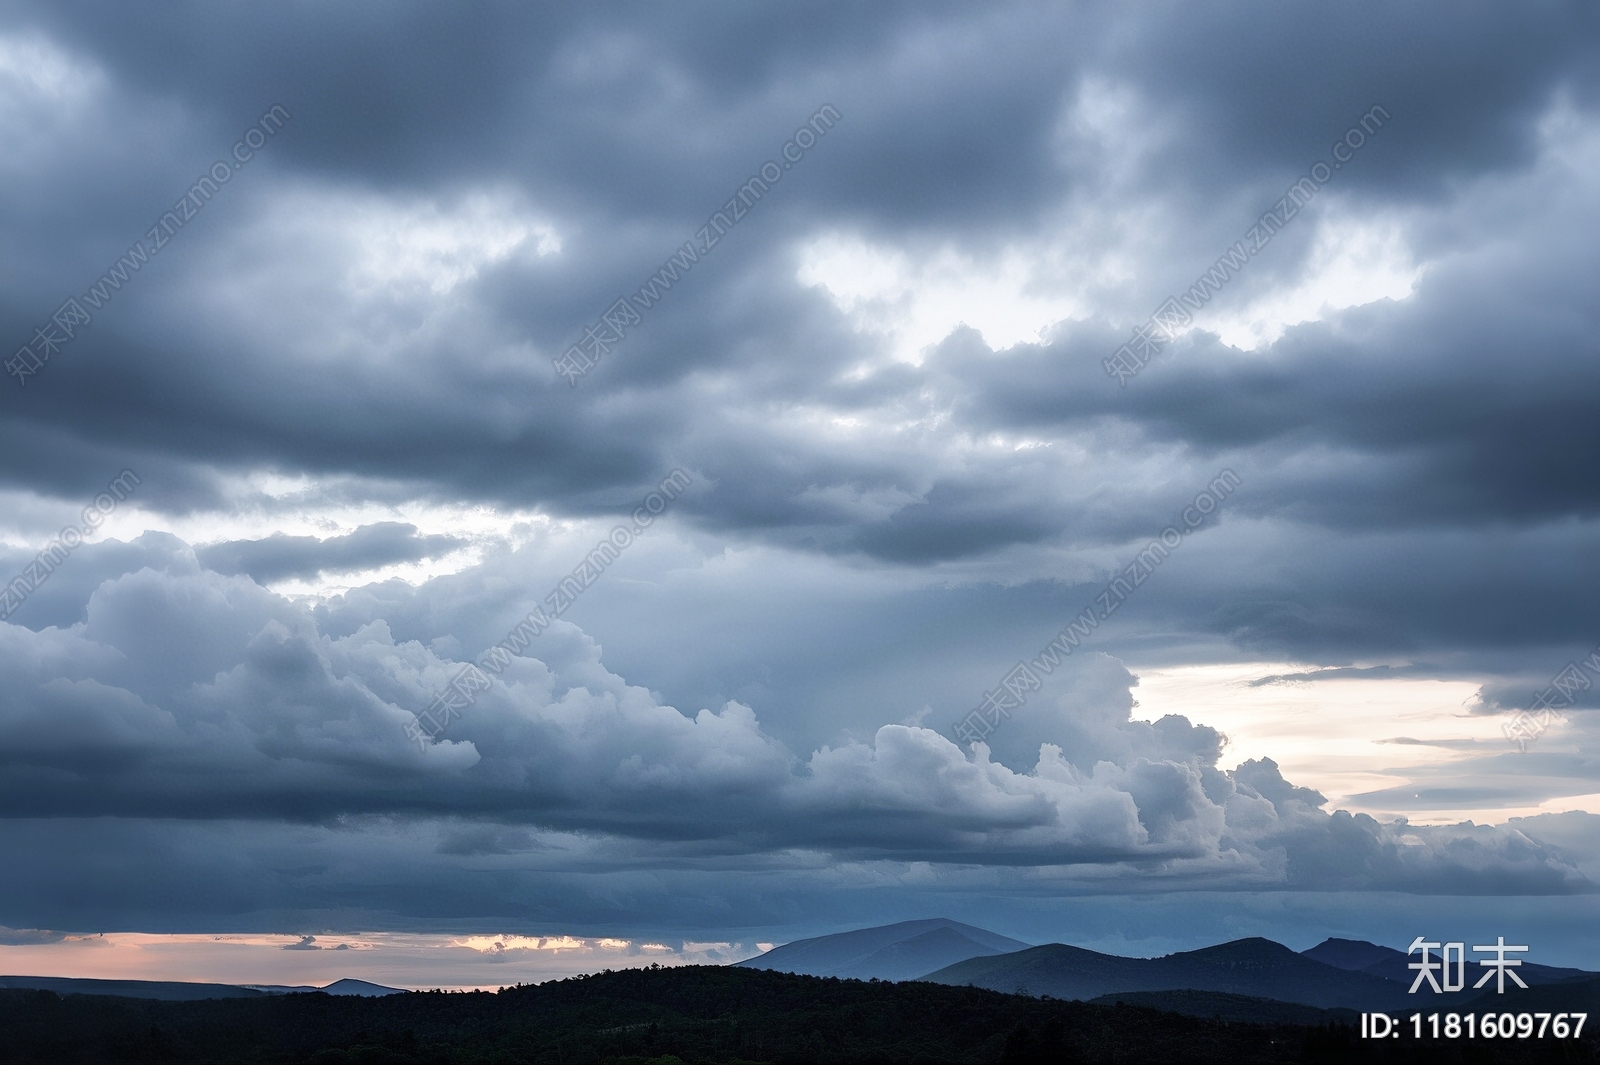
(1329, 734)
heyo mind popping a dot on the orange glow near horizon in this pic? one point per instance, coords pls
(395, 959)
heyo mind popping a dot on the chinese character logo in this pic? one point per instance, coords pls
(1449, 972)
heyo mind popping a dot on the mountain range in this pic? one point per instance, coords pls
(1233, 978)
(1258, 968)
(1247, 979)
(1391, 964)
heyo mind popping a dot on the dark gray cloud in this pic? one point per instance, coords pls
(894, 499)
(17, 937)
(369, 547)
(906, 149)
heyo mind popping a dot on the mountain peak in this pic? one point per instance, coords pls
(1251, 948)
(1350, 953)
(900, 951)
(1253, 967)
(349, 986)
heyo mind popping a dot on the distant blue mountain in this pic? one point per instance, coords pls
(901, 951)
(338, 987)
(1336, 974)
(1391, 964)
(1348, 953)
(1257, 968)
(182, 991)
(348, 986)
(170, 990)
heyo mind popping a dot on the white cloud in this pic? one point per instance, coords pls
(1353, 261)
(916, 299)
(400, 246)
(45, 95)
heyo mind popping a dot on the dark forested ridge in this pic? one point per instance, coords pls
(694, 1014)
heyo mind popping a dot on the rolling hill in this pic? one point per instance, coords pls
(183, 991)
(1391, 964)
(1257, 968)
(901, 951)
(166, 990)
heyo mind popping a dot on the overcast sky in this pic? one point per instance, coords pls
(299, 286)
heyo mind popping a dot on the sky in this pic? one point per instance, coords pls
(1121, 476)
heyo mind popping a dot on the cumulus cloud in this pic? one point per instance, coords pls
(190, 694)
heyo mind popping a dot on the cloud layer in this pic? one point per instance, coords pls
(187, 694)
(910, 467)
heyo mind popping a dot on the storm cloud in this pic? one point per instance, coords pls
(360, 467)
